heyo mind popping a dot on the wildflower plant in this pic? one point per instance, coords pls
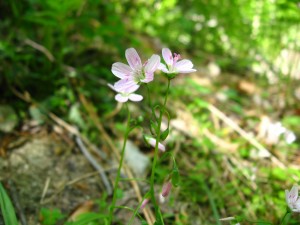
(131, 78)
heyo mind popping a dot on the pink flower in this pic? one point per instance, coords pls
(126, 94)
(136, 73)
(292, 199)
(174, 64)
(151, 141)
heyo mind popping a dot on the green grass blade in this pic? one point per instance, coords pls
(7, 208)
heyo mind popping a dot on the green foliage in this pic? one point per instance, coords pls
(50, 216)
(89, 219)
(7, 209)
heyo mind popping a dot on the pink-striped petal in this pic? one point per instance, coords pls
(152, 64)
(126, 85)
(167, 55)
(152, 142)
(293, 195)
(161, 147)
(183, 66)
(186, 71)
(133, 58)
(121, 70)
(135, 97)
(121, 98)
(148, 77)
(163, 68)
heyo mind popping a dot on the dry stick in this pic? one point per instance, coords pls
(147, 212)
(63, 186)
(40, 48)
(94, 163)
(85, 152)
(245, 135)
(45, 189)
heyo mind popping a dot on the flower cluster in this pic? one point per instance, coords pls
(135, 73)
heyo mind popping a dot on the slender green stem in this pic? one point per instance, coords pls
(149, 98)
(283, 218)
(152, 192)
(130, 209)
(117, 179)
(135, 212)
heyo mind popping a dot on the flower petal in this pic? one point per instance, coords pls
(148, 77)
(184, 65)
(186, 71)
(167, 55)
(163, 68)
(152, 64)
(293, 194)
(133, 58)
(287, 196)
(121, 70)
(161, 147)
(126, 85)
(135, 97)
(121, 98)
(152, 142)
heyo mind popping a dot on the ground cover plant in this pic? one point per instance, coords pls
(149, 112)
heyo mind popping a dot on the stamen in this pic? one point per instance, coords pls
(176, 57)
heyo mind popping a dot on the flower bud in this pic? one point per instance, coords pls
(166, 189)
(144, 203)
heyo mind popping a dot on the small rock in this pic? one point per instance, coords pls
(136, 160)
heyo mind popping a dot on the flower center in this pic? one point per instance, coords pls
(138, 75)
(172, 67)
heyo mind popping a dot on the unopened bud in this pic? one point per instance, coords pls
(144, 203)
(166, 189)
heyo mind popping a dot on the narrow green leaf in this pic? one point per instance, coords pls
(7, 208)
(164, 134)
(86, 218)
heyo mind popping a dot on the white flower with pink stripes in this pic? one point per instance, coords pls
(125, 94)
(292, 199)
(135, 73)
(174, 65)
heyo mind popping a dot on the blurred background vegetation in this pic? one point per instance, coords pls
(52, 51)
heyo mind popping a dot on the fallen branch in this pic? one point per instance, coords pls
(94, 163)
(245, 135)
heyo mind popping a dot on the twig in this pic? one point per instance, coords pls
(245, 135)
(62, 187)
(74, 131)
(45, 189)
(94, 163)
(114, 112)
(40, 48)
